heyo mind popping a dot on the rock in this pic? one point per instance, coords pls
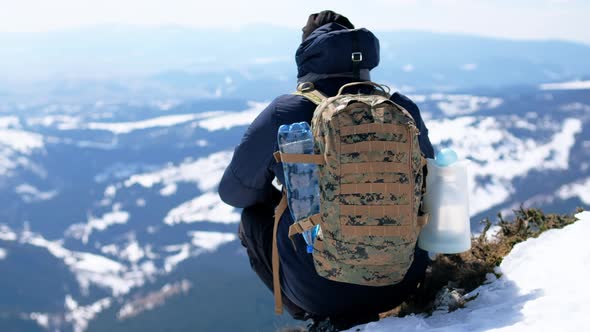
(449, 299)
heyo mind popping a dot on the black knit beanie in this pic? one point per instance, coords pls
(327, 16)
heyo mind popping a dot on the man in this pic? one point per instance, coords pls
(323, 58)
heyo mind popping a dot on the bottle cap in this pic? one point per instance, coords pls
(296, 127)
(445, 157)
(309, 249)
(283, 128)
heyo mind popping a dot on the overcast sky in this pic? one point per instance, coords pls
(537, 19)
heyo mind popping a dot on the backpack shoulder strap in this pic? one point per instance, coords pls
(308, 90)
(380, 89)
(276, 280)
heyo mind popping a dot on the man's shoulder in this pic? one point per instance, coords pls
(289, 108)
(403, 101)
(291, 100)
(287, 102)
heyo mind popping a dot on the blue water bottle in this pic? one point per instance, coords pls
(301, 180)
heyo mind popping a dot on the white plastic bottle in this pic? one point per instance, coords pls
(447, 202)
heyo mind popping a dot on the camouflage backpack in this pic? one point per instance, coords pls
(371, 188)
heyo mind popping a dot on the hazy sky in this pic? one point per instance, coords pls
(539, 19)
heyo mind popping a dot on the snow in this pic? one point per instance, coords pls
(3, 253)
(118, 171)
(61, 122)
(132, 252)
(148, 267)
(165, 105)
(576, 106)
(580, 189)
(110, 249)
(201, 242)
(41, 319)
(6, 162)
(518, 122)
(9, 122)
(67, 122)
(229, 120)
(92, 269)
(21, 141)
(70, 303)
(127, 127)
(110, 191)
(97, 264)
(211, 121)
(79, 316)
(207, 207)
(15, 143)
(210, 241)
(6, 234)
(542, 288)
(571, 85)
(97, 270)
(453, 105)
(205, 172)
(183, 253)
(168, 190)
(83, 231)
(31, 194)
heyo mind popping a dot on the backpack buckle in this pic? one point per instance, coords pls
(305, 87)
(357, 56)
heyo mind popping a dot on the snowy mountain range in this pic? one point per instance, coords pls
(110, 218)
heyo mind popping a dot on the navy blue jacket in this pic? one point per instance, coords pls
(247, 180)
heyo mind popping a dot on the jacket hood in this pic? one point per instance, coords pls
(328, 50)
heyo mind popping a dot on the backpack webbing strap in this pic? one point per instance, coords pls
(385, 90)
(423, 161)
(357, 56)
(304, 225)
(277, 156)
(308, 90)
(423, 220)
(299, 158)
(276, 280)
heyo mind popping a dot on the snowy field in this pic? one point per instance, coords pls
(542, 288)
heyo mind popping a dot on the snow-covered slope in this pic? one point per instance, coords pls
(542, 288)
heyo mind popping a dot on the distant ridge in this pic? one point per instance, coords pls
(119, 62)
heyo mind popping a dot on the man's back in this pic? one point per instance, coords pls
(247, 181)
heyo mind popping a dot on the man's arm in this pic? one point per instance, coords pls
(411, 107)
(248, 178)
